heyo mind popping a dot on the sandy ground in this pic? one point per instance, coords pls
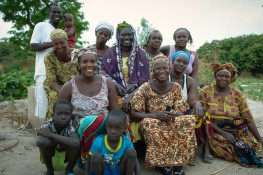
(23, 157)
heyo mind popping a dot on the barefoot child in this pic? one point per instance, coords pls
(70, 29)
(113, 153)
(57, 140)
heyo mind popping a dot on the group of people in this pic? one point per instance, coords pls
(102, 100)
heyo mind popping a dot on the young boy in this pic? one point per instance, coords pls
(113, 153)
(57, 140)
(70, 29)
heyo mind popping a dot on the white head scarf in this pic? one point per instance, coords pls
(105, 24)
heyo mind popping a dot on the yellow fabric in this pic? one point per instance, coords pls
(135, 131)
(108, 146)
(124, 67)
(57, 160)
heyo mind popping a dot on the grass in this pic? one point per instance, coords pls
(251, 86)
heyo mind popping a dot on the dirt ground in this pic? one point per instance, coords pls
(19, 154)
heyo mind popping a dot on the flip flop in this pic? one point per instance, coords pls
(178, 170)
(207, 158)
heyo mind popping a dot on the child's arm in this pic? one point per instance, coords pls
(71, 32)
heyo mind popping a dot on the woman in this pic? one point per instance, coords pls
(169, 135)
(126, 63)
(151, 44)
(231, 119)
(181, 37)
(91, 95)
(59, 68)
(103, 32)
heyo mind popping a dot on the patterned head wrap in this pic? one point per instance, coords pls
(183, 30)
(216, 68)
(179, 53)
(58, 34)
(146, 39)
(106, 25)
(134, 49)
(77, 53)
(156, 59)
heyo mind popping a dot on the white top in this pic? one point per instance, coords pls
(41, 34)
(185, 94)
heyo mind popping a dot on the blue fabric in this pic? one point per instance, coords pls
(176, 54)
(111, 159)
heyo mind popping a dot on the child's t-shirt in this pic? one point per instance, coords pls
(111, 157)
(65, 132)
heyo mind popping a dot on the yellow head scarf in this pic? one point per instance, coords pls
(58, 34)
(216, 67)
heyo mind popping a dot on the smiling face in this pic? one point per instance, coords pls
(62, 115)
(115, 127)
(60, 45)
(88, 65)
(222, 79)
(126, 37)
(103, 35)
(180, 64)
(55, 14)
(181, 39)
(161, 70)
(156, 40)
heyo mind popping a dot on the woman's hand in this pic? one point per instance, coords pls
(131, 88)
(121, 91)
(75, 120)
(228, 136)
(162, 116)
(198, 110)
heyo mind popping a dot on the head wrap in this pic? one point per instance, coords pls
(216, 67)
(156, 59)
(183, 30)
(77, 53)
(58, 34)
(122, 25)
(179, 53)
(146, 37)
(106, 25)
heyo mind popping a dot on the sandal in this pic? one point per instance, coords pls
(165, 170)
(207, 158)
(178, 170)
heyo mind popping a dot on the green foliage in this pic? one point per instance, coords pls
(245, 52)
(142, 30)
(25, 14)
(13, 85)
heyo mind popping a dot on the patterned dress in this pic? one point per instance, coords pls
(59, 72)
(230, 108)
(168, 143)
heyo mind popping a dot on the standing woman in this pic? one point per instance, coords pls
(181, 37)
(103, 32)
(152, 43)
(59, 68)
(125, 62)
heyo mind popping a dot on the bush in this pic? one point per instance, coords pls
(13, 85)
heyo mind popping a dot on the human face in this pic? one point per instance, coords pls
(161, 70)
(62, 115)
(115, 128)
(60, 45)
(181, 39)
(103, 35)
(88, 65)
(222, 79)
(126, 37)
(55, 14)
(68, 21)
(180, 64)
(156, 40)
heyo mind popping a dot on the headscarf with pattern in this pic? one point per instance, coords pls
(156, 59)
(77, 53)
(146, 38)
(216, 67)
(58, 34)
(134, 49)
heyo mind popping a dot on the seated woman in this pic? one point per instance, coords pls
(151, 44)
(231, 119)
(159, 108)
(91, 95)
(181, 37)
(59, 68)
(125, 62)
(103, 32)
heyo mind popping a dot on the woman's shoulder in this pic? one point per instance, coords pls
(207, 88)
(236, 92)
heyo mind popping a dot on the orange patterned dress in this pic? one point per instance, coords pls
(168, 143)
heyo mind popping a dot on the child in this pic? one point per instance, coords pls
(70, 29)
(113, 153)
(57, 140)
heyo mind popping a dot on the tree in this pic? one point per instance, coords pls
(145, 26)
(25, 14)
